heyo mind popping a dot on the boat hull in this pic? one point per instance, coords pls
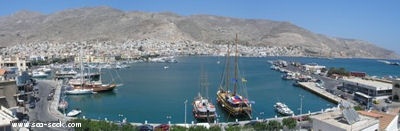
(203, 117)
(100, 88)
(78, 92)
(74, 113)
(233, 111)
(203, 110)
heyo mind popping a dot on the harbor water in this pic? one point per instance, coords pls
(156, 94)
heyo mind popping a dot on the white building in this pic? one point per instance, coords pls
(374, 88)
(21, 63)
(6, 117)
(95, 59)
(334, 121)
(313, 68)
(365, 90)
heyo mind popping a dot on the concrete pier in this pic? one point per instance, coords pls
(321, 92)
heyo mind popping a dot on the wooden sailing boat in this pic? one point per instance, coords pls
(90, 86)
(203, 108)
(99, 86)
(233, 102)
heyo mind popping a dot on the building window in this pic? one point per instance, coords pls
(397, 85)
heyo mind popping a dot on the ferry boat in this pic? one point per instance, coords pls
(235, 103)
(283, 109)
(203, 109)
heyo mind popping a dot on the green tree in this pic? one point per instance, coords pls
(90, 125)
(289, 123)
(197, 128)
(215, 128)
(233, 128)
(260, 126)
(178, 128)
(274, 125)
(358, 108)
(340, 71)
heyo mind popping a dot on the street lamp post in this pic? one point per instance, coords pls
(301, 110)
(122, 118)
(185, 109)
(169, 119)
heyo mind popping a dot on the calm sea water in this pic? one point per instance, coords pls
(157, 95)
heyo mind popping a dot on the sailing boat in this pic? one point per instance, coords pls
(234, 103)
(99, 86)
(79, 90)
(203, 109)
(89, 85)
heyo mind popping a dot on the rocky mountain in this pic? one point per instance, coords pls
(104, 23)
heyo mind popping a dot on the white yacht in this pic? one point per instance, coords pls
(74, 113)
(39, 74)
(283, 109)
(79, 91)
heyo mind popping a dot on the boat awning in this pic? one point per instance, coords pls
(237, 99)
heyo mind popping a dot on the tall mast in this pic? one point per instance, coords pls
(236, 66)
(227, 68)
(204, 82)
(81, 62)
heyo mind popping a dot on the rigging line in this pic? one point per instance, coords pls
(118, 76)
(112, 76)
(229, 115)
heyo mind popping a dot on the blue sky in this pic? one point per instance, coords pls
(374, 21)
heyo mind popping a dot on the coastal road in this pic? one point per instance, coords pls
(41, 111)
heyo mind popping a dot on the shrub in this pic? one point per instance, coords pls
(289, 123)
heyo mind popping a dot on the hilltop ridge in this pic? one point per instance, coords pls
(109, 24)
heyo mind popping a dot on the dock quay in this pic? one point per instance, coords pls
(53, 105)
(311, 86)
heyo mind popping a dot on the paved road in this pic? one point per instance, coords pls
(41, 112)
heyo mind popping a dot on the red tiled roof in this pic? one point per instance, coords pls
(2, 72)
(384, 118)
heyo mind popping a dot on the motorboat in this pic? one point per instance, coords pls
(74, 113)
(283, 109)
(78, 91)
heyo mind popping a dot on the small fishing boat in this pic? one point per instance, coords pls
(74, 113)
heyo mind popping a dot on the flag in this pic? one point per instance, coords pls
(244, 80)
(234, 80)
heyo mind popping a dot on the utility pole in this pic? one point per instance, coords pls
(185, 109)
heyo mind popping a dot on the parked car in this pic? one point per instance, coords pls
(146, 127)
(32, 105)
(50, 97)
(162, 127)
(388, 101)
